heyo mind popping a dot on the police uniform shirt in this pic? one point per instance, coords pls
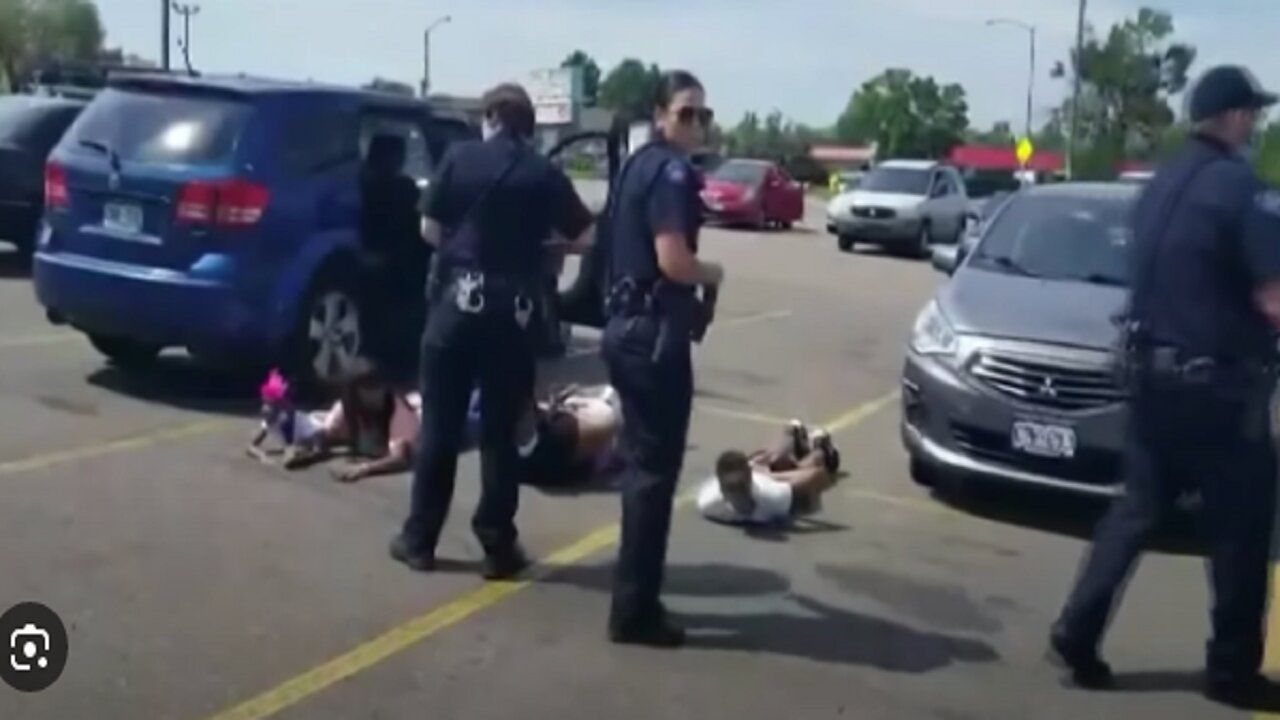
(669, 201)
(505, 236)
(1206, 235)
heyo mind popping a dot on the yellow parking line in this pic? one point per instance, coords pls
(33, 340)
(405, 635)
(132, 442)
(1271, 657)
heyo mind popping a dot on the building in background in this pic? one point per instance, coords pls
(843, 158)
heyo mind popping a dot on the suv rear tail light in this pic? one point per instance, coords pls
(234, 202)
(55, 186)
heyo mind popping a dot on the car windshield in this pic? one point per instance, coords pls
(905, 181)
(1060, 237)
(983, 185)
(745, 173)
(164, 127)
(26, 122)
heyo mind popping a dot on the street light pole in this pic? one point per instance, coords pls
(186, 11)
(1031, 79)
(426, 53)
(164, 34)
(1075, 91)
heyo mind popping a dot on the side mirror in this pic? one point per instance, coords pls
(945, 258)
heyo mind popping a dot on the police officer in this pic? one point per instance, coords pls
(1200, 343)
(492, 208)
(653, 278)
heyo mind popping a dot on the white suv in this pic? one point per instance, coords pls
(901, 204)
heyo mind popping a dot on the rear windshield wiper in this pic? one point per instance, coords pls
(105, 149)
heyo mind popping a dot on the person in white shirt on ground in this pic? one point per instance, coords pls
(772, 486)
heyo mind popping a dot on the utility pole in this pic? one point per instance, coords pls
(186, 11)
(1075, 92)
(1031, 70)
(426, 53)
(164, 34)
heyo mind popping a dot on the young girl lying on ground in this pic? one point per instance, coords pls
(772, 486)
(373, 421)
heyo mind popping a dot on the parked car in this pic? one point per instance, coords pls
(849, 181)
(1008, 374)
(753, 192)
(902, 205)
(220, 215)
(30, 126)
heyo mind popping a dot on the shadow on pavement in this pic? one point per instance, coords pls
(1069, 515)
(1185, 681)
(877, 251)
(947, 606)
(832, 635)
(800, 527)
(180, 382)
(13, 266)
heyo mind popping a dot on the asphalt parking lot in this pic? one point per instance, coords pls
(198, 584)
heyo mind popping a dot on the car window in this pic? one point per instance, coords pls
(418, 162)
(943, 185)
(162, 126)
(33, 125)
(1060, 237)
(318, 141)
(741, 172)
(905, 181)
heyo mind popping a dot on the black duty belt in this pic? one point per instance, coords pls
(629, 297)
(475, 292)
(1172, 364)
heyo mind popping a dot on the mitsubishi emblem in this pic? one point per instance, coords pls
(113, 181)
(1047, 389)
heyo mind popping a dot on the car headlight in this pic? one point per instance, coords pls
(932, 334)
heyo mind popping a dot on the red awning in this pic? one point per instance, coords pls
(999, 157)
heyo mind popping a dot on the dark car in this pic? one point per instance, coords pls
(30, 126)
(221, 215)
(1009, 375)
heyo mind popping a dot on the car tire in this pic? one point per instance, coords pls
(785, 225)
(923, 241)
(125, 353)
(846, 242)
(329, 330)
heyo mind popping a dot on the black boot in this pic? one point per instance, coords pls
(1248, 692)
(403, 551)
(505, 564)
(658, 632)
(1087, 670)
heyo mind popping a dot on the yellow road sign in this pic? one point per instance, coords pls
(1023, 150)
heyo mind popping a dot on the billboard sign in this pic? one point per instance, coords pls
(556, 95)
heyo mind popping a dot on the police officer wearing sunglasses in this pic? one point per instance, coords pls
(654, 279)
(492, 208)
(1203, 314)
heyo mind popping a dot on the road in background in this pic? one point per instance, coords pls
(192, 580)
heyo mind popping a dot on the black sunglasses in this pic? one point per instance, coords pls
(690, 115)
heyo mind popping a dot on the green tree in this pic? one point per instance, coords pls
(906, 115)
(36, 32)
(629, 89)
(1127, 79)
(1268, 158)
(1001, 133)
(590, 75)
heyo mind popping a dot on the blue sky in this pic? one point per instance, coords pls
(803, 57)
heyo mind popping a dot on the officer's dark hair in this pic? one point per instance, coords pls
(510, 106)
(732, 462)
(672, 83)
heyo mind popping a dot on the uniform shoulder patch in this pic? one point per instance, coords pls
(1268, 201)
(675, 172)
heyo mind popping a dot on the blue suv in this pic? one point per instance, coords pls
(219, 215)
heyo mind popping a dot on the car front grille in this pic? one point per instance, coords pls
(876, 213)
(1046, 383)
(1089, 466)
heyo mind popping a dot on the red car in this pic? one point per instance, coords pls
(752, 192)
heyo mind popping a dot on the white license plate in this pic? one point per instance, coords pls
(122, 218)
(1043, 439)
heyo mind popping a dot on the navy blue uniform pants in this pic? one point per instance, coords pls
(1216, 440)
(461, 351)
(650, 365)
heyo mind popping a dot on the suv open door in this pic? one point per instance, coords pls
(580, 300)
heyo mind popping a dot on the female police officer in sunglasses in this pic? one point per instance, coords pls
(654, 313)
